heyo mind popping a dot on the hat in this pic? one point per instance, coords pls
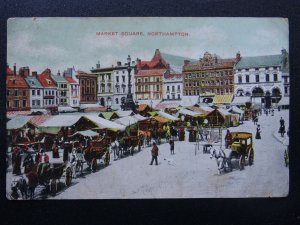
(154, 142)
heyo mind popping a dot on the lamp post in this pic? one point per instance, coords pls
(151, 102)
(129, 103)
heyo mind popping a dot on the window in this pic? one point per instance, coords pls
(38, 102)
(240, 79)
(24, 93)
(178, 87)
(16, 93)
(82, 82)
(33, 92)
(139, 80)
(247, 79)
(123, 89)
(123, 79)
(157, 79)
(38, 92)
(117, 101)
(256, 78)
(173, 96)
(267, 77)
(157, 87)
(52, 92)
(168, 96)
(178, 96)
(173, 88)
(117, 89)
(139, 88)
(146, 87)
(168, 88)
(285, 90)
(146, 80)
(33, 102)
(275, 77)
(16, 103)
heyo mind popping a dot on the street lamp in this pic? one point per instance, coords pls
(151, 102)
(129, 103)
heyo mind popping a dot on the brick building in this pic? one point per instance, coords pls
(149, 77)
(17, 91)
(88, 87)
(210, 74)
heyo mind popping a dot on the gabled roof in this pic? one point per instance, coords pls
(16, 82)
(156, 62)
(61, 121)
(259, 61)
(9, 71)
(70, 80)
(46, 80)
(33, 82)
(18, 122)
(58, 79)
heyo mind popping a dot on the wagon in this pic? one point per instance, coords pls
(98, 149)
(49, 175)
(242, 148)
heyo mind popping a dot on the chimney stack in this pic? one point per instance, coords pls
(98, 65)
(238, 57)
(24, 71)
(58, 73)
(15, 69)
(186, 62)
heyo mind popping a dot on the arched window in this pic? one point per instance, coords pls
(240, 92)
(276, 92)
(239, 79)
(117, 101)
(257, 92)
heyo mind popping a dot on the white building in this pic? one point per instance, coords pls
(172, 85)
(261, 78)
(73, 87)
(120, 82)
(36, 92)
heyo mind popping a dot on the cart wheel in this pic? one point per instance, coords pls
(68, 180)
(242, 162)
(250, 157)
(53, 187)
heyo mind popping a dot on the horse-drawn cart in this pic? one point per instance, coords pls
(242, 148)
(98, 149)
(49, 175)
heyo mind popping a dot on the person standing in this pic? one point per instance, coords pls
(258, 131)
(16, 161)
(172, 146)
(228, 138)
(154, 153)
(281, 122)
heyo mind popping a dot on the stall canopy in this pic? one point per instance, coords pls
(161, 119)
(223, 99)
(104, 124)
(87, 133)
(38, 120)
(139, 117)
(235, 109)
(241, 100)
(167, 105)
(55, 123)
(189, 101)
(65, 109)
(189, 113)
(18, 122)
(126, 121)
(202, 110)
(109, 115)
(125, 113)
(167, 116)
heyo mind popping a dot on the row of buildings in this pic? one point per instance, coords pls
(264, 79)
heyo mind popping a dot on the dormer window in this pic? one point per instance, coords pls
(48, 81)
(32, 82)
(14, 81)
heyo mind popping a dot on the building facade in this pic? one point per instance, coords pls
(105, 84)
(172, 86)
(36, 91)
(17, 91)
(49, 89)
(210, 74)
(263, 78)
(73, 86)
(88, 87)
(63, 94)
(149, 77)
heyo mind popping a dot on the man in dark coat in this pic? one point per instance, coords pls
(258, 131)
(154, 153)
(228, 138)
(172, 145)
(16, 161)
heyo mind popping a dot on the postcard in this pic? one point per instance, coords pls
(147, 108)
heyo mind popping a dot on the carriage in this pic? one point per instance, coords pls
(129, 142)
(242, 148)
(98, 149)
(49, 175)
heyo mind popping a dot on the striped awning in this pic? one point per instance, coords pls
(223, 99)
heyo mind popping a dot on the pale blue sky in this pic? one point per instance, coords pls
(58, 43)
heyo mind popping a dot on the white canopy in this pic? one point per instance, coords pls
(66, 109)
(240, 100)
(139, 117)
(61, 121)
(167, 116)
(18, 122)
(103, 123)
(122, 113)
(188, 112)
(189, 101)
(224, 112)
(126, 121)
(87, 133)
(235, 110)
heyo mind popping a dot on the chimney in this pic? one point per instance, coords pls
(238, 56)
(58, 73)
(138, 63)
(119, 63)
(186, 62)
(24, 71)
(98, 65)
(15, 69)
(34, 73)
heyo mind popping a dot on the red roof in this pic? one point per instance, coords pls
(70, 80)
(151, 72)
(45, 79)
(37, 120)
(156, 62)
(9, 71)
(16, 82)
(173, 75)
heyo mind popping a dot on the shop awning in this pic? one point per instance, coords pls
(241, 100)
(222, 99)
(103, 123)
(167, 116)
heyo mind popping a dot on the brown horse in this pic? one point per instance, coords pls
(147, 136)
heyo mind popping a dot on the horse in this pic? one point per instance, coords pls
(282, 130)
(19, 184)
(146, 137)
(115, 147)
(76, 162)
(223, 161)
